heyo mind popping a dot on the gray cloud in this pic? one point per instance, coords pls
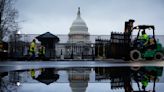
(102, 16)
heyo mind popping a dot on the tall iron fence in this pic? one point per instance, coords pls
(101, 46)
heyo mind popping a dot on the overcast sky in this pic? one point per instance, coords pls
(101, 16)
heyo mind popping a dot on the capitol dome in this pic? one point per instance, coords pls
(78, 22)
(78, 30)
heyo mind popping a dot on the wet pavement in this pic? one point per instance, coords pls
(81, 76)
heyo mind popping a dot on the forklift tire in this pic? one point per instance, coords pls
(158, 56)
(135, 68)
(135, 55)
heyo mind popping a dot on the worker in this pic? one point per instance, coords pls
(32, 71)
(32, 49)
(41, 53)
(144, 38)
(152, 41)
(151, 45)
(144, 82)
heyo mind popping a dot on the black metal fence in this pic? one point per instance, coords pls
(117, 47)
(120, 45)
(20, 50)
(102, 48)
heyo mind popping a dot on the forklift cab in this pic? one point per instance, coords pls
(138, 42)
(152, 48)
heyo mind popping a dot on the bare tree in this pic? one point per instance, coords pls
(8, 16)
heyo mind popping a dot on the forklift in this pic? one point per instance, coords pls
(123, 46)
(152, 50)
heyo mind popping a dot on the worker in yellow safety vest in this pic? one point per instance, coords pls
(144, 82)
(32, 71)
(32, 49)
(42, 51)
(144, 37)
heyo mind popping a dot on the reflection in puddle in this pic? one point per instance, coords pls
(46, 76)
(122, 77)
(119, 79)
(78, 79)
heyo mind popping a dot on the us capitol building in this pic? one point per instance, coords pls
(78, 43)
(79, 31)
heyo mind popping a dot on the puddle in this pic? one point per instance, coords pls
(104, 79)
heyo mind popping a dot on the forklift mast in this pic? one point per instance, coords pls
(120, 42)
(129, 26)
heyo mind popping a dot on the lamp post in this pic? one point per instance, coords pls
(61, 55)
(72, 52)
(104, 51)
(25, 41)
(16, 36)
(72, 49)
(93, 58)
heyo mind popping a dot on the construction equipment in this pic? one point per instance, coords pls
(153, 49)
(123, 46)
